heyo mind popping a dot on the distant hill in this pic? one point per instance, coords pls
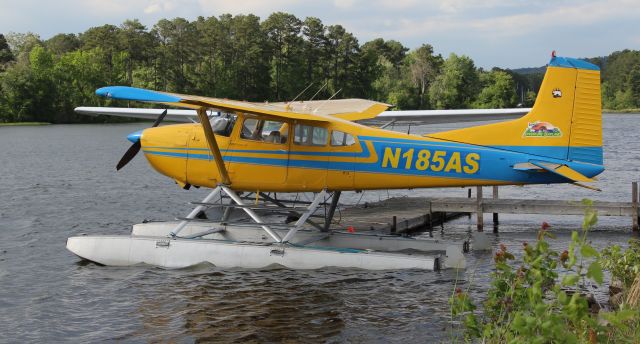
(530, 70)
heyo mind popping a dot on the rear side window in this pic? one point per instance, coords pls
(308, 135)
(264, 130)
(339, 138)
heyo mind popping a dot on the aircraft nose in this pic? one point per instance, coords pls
(135, 136)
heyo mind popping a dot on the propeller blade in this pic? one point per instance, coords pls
(135, 147)
(128, 155)
(159, 119)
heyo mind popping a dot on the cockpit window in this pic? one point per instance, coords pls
(223, 124)
(264, 130)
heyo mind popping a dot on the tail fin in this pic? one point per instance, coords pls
(564, 123)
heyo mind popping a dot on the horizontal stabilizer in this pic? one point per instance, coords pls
(562, 170)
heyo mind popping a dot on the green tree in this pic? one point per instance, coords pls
(28, 88)
(633, 85)
(343, 52)
(457, 85)
(423, 68)
(616, 73)
(62, 43)
(499, 91)
(210, 50)
(175, 57)
(22, 43)
(391, 83)
(78, 74)
(250, 64)
(107, 38)
(314, 51)
(6, 55)
(137, 43)
(286, 45)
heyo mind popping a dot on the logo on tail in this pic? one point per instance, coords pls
(542, 129)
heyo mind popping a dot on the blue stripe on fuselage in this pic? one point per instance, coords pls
(494, 164)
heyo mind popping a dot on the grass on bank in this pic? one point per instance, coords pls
(19, 124)
(637, 110)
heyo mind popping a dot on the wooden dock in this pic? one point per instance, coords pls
(393, 215)
(406, 214)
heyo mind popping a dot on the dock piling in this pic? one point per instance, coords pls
(469, 196)
(479, 210)
(394, 225)
(495, 215)
(634, 205)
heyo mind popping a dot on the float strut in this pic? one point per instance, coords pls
(251, 213)
(332, 210)
(303, 218)
(192, 215)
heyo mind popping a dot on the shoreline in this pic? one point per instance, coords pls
(629, 111)
(23, 124)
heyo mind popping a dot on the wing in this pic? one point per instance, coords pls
(314, 111)
(318, 110)
(451, 116)
(150, 114)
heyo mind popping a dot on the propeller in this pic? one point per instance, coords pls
(135, 147)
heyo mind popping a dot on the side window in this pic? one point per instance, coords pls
(264, 130)
(250, 129)
(275, 132)
(307, 135)
(223, 125)
(339, 138)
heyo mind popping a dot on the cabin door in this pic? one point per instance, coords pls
(258, 153)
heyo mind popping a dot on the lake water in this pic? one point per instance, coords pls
(59, 181)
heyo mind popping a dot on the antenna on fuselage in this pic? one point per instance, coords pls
(321, 88)
(318, 108)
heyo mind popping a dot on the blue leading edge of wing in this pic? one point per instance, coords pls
(138, 94)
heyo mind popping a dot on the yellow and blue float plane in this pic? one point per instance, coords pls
(310, 146)
(317, 146)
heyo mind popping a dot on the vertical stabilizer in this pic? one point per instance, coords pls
(564, 123)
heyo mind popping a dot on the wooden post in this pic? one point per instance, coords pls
(495, 215)
(479, 214)
(430, 218)
(469, 196)
(394, 226)
(634, 205)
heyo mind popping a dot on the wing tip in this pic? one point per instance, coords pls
(136, 94)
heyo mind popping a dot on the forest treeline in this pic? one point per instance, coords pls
(242, 57)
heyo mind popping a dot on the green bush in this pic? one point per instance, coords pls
(624, 266)
(539, 300)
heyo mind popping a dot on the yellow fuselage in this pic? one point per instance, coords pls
(376, 159)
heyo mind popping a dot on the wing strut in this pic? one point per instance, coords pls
(213, 145)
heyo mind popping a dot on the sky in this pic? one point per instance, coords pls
(502, 33)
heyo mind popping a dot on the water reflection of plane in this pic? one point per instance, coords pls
(239, 306)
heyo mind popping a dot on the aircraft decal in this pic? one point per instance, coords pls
(556, 93)
(542, 129)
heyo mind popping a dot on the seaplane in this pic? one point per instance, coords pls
(250, 153)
